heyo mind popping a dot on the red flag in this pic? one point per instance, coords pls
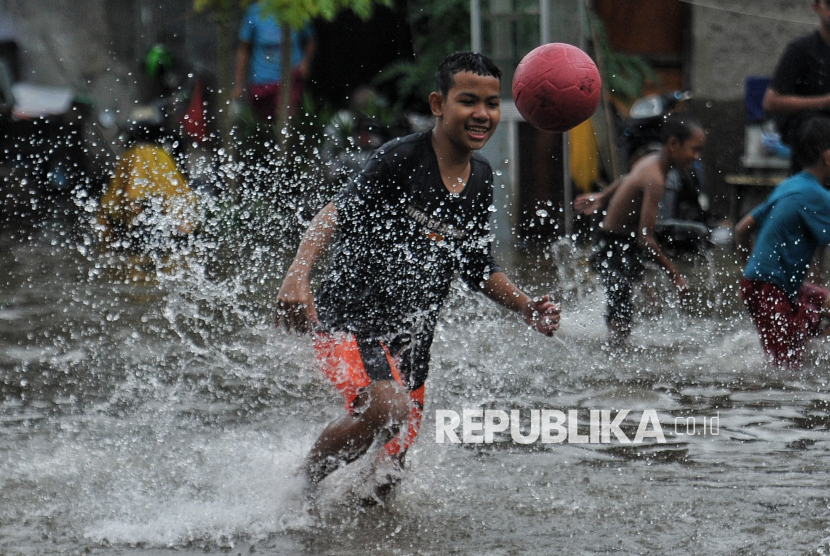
(193, 121)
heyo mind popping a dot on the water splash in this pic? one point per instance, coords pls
(166, 412)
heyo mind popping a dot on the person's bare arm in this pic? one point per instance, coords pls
(304, 67)
(540, 314)
(589, 203)
(744, 232)
(652, 192)
(786, 104)
(295, 301)
(243, 53)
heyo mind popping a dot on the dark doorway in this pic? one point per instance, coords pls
(352, 52)
(656, 30)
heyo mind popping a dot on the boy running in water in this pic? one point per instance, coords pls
(627, 231)
(417, 214)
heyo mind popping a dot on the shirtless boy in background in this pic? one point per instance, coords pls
(626, 235)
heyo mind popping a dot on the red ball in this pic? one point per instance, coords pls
(556, 87)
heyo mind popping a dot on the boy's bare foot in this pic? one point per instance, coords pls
(308, 490)
(382, 480)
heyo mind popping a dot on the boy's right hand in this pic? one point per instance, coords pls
(542, 315)
(295, 303)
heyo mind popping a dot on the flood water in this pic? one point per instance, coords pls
(159, 412)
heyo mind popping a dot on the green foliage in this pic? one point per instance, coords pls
(439, 28)
(296, 13)
(625, 75)
(222, 8)
(293, 14)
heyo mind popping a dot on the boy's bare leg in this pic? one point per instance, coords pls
(381, 409)
(618, 334)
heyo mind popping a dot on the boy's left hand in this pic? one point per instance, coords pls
(542, 315)
(587, 203)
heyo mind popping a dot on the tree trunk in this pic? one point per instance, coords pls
(285, 83)
(224, 77)
(223, 95)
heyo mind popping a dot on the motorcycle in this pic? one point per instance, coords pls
(43, 157)
(179, 114)
(683, 220)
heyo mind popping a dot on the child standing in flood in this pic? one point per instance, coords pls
(626, 235)
(787, 230)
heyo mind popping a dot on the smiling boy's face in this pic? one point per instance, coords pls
(470, 112)
(822, 10)
(684, 154)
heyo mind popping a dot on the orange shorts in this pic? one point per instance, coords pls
(351, 368)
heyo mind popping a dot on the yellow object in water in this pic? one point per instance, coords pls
(147, 180)
(584, 156)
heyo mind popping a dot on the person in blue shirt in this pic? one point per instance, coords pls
(258, 61)
(788, 229)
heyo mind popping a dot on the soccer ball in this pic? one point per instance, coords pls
(556, 87)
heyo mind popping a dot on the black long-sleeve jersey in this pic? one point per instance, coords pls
(402, 237)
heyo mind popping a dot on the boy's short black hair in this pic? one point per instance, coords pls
(813, 139)
(463, 61)
(678, 125)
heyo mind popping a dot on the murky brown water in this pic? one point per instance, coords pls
(166, 417)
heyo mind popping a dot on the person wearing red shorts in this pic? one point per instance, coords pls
(416, 216)
(259, 61)
(788, 229)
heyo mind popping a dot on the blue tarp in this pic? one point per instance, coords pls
(755, 89)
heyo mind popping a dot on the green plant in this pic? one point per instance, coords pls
(439, 28)
(623, 75)
(292, 14)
